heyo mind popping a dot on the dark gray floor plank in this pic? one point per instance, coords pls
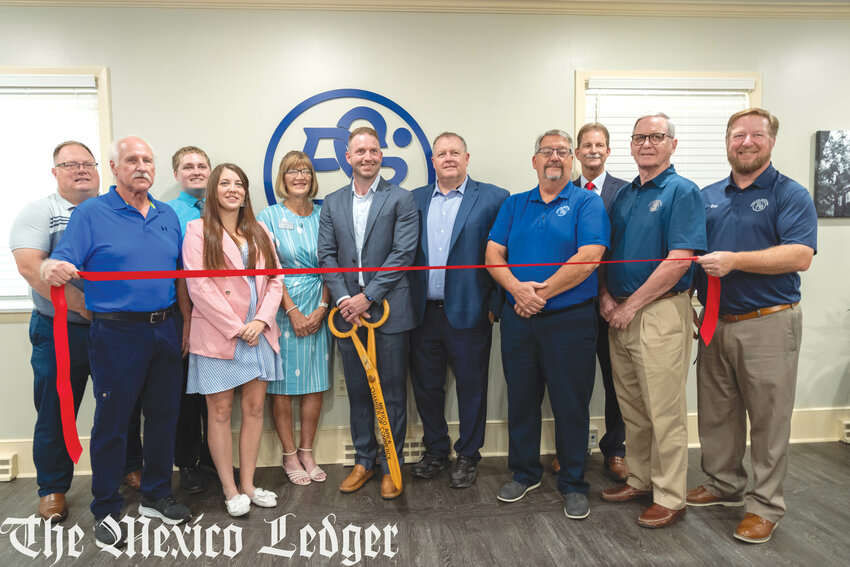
(438, 526)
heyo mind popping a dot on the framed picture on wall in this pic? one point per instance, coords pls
(832, 173)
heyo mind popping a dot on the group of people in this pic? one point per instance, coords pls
(268, 334)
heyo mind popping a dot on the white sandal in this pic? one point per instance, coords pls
(299, 477)
(238, 505)
(317, 474)
(264, 498)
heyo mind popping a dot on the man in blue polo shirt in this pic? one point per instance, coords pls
(135, 345)
(548, 324)
(762, 230)
(191, 170)
(647, 305)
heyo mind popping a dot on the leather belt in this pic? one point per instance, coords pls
(151, 317)
(438, 303)
(667, 295)
(757, 313)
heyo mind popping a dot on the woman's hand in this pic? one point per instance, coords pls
(315, 319)
(251, 332)
(300, 323)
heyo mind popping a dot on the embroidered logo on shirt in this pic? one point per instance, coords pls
(562, 210)
(759, 205)
(654, 206)
(713, 206)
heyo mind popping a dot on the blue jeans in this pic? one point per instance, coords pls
(133, 362)
(54, 468)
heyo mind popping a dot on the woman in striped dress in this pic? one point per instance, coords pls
(233, 338)
(305, 339)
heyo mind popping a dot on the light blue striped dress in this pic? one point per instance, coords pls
(212, 375)
(305, 359)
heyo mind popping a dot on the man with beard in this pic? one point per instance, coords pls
(135, 342)
(548, 325)
(762, 230)
(648, 307)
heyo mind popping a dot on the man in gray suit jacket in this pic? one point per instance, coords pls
(455, 310)
(592, 150)
(371, 223)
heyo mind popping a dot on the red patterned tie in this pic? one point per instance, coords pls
(590, 186)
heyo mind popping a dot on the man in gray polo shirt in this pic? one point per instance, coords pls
(35, 233)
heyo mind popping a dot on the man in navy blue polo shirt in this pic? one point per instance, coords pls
(647, 305)
(135, 344)
(548, 324)
(762, 230)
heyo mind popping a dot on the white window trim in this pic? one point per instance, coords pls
(10, 307)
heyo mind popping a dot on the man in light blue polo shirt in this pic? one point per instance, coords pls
(647, 305)
(762, 230)
(548, 324)
(135, 345)
(191, 170)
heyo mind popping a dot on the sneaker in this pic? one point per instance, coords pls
(576, 506)
(514, 490)
(167, 509)
(430, 464)
(463, 475)
(191, 481)
(110, 532)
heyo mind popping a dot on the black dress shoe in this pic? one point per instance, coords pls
(191, 480)
(463, 475)
(430, 464)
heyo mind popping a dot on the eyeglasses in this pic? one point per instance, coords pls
(562, 152)
(74, 165)
(305, 172)
(654, 138)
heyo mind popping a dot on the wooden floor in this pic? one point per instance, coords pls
(440, 526)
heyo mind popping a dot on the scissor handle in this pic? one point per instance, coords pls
(353, 330)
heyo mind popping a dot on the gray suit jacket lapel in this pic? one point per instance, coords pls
(381, 194)
(347, 210)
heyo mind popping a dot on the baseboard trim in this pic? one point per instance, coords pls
(813, 425)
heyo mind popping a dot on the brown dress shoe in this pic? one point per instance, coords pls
(356, 479)
(754, 529)
(623, 493)
(556, 466)
(134, 480)
(388, 489)
(617, 468)
(53, 506)
(658, 516)
(702, 497)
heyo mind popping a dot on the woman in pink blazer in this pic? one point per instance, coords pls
(233, 337)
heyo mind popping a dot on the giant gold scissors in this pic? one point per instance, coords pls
(370, 365)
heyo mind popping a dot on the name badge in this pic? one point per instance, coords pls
(286, 225)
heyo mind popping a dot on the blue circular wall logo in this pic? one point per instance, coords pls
(310, 127)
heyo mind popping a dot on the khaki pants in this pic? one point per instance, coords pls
(750, 367)
(650, 364)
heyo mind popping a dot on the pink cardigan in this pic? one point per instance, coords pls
(221, 304)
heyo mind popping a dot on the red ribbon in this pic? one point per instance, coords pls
(60, 327)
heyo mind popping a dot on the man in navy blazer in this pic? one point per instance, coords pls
(592, 150)
(371, 223)
(454, 309)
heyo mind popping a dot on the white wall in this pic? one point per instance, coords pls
(224, 79)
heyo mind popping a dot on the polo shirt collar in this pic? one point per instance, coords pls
(659, 180)
(117, 202)
(564, 194)
(765, 180)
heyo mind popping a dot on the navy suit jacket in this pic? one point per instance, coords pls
(469, 294)
(609, 188)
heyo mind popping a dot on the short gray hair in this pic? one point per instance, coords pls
(115, 147)
(450, 135)
(555, 132)
(671, 128)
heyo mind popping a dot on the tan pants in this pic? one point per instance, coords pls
(650, 364)
(750, 367)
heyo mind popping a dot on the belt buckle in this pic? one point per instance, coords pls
(157, 317)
